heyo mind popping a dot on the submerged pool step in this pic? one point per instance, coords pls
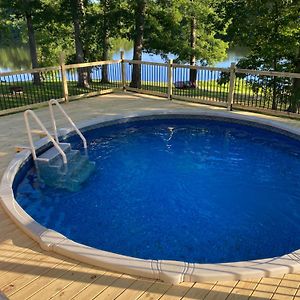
(53, 172)
(85, 171)
(73, 157)
(73, 180)
(53, 154)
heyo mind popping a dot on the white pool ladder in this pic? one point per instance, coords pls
(54, 140)
(51, 103)
(31, 113)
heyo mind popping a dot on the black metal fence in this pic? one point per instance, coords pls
(25, 88)
(31, 87)
(199, 84)
(153, 79)
(277, 92)
(93, 78)
(230, 87)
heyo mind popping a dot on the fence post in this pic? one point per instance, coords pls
(64, 77)
(231, 86)
(170, 79)
(123, 71)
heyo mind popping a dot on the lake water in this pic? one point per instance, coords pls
(17, 58)
(233, 55)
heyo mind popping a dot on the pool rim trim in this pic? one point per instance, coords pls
(165, 270)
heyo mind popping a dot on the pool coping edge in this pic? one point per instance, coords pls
(165, 270)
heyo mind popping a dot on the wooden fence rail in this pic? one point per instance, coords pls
(268, 91)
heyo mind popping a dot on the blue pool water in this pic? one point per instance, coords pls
(191, 190)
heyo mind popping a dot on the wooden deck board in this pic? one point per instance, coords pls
(58, 284)
(29, 284)
(178, 291)
(48, 266)
(116, 288)
(21, 269)
(87, 276)
(27, 272)
(155, 291)
(243, 288)
(97, 286)
(221, 290)
(9, 265)
(199, 290)
(136, 289)
(9, 251)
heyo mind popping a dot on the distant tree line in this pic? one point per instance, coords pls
(83, 29)
(192, 30)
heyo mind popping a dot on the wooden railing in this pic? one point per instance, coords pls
(19, 92)
(233, 88)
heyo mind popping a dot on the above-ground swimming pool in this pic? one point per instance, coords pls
(178, 188)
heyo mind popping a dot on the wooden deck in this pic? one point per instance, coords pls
(27, 272)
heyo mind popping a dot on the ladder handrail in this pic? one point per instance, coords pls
(43, 128)
(53, 101)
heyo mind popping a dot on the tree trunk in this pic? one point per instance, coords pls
(77, 13)
(274, 85)
(32, 49)
(274, 94)
(105, 43)
(138, 42)
(193, 72)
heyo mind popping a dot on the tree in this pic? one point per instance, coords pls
(105, 40)
(27, 10)
(185, 28)
(271, 31)
(193, 36)
(55, 32)
(189, 29)
(94, 23)
(32, 47)
(77, 10)
(10, 29)
(138, 38)
(109, 28)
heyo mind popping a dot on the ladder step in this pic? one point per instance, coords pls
(40, 133)
(42, 159)
(52, 153)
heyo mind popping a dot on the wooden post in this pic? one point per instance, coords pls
(231, 86)
(123, 70)
(170, 79)
(64, 77)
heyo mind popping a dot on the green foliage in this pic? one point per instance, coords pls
(168, 29)
(10, 29)
(54, 30)
(55, 33)
(270, 29)
(120, 44)
(101, 17)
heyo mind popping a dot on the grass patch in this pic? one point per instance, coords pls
(33, 94)
(209, 90)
